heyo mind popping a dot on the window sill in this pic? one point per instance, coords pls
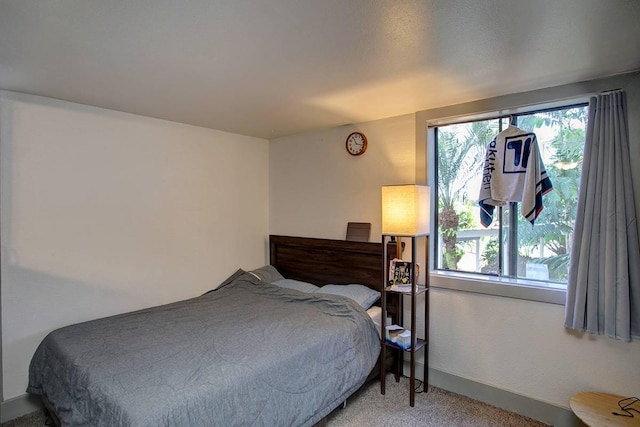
(497, 286)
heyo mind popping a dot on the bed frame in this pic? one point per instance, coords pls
(340, 262)
(323, 261)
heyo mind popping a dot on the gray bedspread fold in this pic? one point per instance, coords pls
(246, 354)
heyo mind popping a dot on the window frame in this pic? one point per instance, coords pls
(503, 286)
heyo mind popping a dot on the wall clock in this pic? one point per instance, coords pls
(356, 143)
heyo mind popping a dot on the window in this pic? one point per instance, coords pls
(510, 247)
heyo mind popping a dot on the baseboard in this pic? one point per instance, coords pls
(19, 406)
(523, 405)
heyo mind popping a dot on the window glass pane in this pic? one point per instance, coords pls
(464, 245)
(544, 248)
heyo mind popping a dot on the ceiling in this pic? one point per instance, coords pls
(281, 67)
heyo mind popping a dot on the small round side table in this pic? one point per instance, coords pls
(596, 409)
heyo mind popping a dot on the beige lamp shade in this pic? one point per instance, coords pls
(405, 210)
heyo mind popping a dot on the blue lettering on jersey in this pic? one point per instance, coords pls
(489, 164)
(516, 153)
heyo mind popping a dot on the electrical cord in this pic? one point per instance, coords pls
(625, 407)
(420, 387)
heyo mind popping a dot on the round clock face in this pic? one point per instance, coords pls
(356, 143)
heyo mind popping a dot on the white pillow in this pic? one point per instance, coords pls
(296, 284)
(359, 293)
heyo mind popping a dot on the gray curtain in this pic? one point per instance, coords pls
(603, 295)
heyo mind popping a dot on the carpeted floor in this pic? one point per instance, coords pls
(33, 419)
(438, 408)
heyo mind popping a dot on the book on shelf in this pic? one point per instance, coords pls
(400, 273)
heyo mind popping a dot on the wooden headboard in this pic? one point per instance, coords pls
(323, 261)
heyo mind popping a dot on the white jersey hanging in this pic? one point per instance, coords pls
(513, 172)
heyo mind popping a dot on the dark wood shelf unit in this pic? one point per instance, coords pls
(393, 306)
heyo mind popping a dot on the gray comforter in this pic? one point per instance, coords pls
(247, 353)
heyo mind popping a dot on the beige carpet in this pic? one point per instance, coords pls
(438, 407)
(369, 408)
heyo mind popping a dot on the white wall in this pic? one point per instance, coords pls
(106, 212)
(515, 345)
(317, 187)
(522, 347)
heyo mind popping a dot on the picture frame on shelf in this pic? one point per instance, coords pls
(400, 272)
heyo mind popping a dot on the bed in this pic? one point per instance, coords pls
(266, 347)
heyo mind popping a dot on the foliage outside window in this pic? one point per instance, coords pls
(510, 247)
